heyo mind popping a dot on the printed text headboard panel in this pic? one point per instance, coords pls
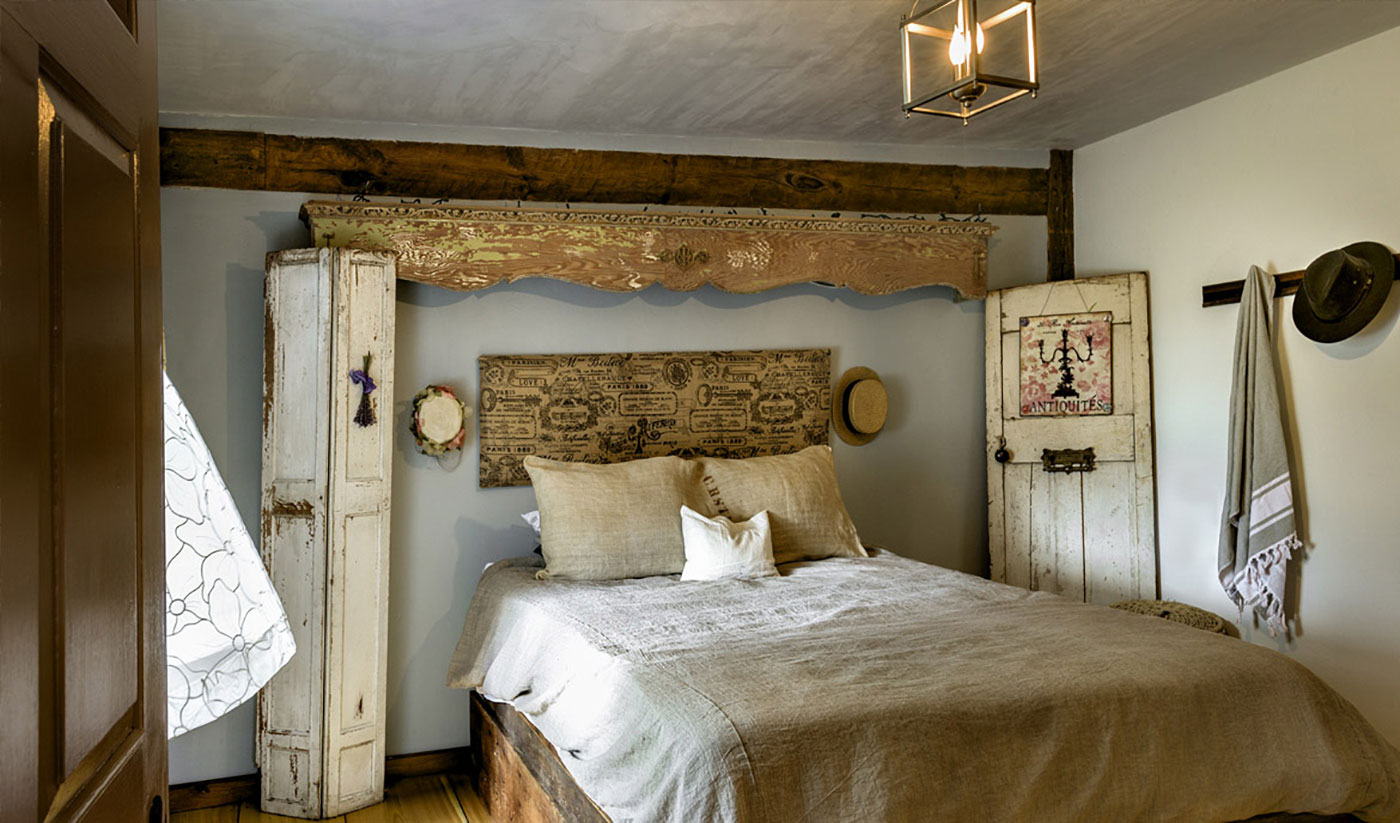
(607, 408)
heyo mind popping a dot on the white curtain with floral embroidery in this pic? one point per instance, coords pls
(226, 632)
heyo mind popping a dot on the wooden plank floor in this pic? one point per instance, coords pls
(435, 798)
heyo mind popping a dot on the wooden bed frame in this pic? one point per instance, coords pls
(518, 774)
(521, 779)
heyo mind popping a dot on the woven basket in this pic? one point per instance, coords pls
(1175, 612)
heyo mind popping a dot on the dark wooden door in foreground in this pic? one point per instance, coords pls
(82, 651)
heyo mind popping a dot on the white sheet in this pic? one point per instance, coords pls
(226, 633)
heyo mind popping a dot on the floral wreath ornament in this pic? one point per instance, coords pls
(438, 421)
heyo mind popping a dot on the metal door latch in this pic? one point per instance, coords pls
(1067, 460)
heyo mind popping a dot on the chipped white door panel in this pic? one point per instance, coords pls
(1010, 366)
(1057, 534)
(326, 526)
(1088, 535)
(1110, 435)
(1123, 370)
(996, 503)
(1144, 466)
(1017, 494)
(1110, 555)
(294, 515)
(357, 659)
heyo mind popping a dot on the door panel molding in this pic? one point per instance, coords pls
(82, 637)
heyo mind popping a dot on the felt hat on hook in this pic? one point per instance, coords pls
(858, 406)
(1342, 291)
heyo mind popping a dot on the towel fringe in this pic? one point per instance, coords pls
(1260, 585)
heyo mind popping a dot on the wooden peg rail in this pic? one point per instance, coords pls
(1223, 294)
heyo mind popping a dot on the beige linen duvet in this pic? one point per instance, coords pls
(883, 689)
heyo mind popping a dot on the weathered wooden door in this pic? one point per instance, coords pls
(325, 526)
(82, 563)
(1086, 533)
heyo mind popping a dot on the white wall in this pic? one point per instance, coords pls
(919, 488)
(1272, 174)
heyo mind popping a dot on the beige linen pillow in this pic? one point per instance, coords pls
(799, 492)
(717, 548)
(602, 522)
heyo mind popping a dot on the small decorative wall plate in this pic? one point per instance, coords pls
(438, 422)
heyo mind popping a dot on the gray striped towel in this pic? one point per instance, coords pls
(1257, 530)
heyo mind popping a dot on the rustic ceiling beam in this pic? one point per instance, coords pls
(328, 165)
(1059, 216)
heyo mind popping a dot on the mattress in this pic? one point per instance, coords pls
(883, 689)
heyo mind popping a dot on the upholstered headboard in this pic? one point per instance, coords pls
(607, 408)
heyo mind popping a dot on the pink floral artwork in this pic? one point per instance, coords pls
(1067, 365)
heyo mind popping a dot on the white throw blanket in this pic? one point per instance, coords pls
(1257, 531)
(226, 633)
(883, 690)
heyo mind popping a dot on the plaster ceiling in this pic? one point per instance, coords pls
(768, 69)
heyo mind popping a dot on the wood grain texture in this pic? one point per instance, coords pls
(250, 813)
(450, 798)
(217, 814)
(222, 159)
(1144, 522)
(205, 794)
(208, 794)
(357, 588)
(470, 247)
(279, 162)
(419, 764)
(521, 778)
(437, 798)
(472, 805)
(1059, 216)
(414, 800)
(295, 466)
(996, 491)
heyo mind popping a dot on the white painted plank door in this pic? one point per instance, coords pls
(1086, 535)
(295, 474)
(325, 528)
(357, 596)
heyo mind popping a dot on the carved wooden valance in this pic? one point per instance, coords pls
(471, 247)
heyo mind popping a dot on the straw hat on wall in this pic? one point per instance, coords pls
(859, 405)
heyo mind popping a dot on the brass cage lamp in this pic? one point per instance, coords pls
(964, 57)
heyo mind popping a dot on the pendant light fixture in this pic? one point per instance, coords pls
(963, 57)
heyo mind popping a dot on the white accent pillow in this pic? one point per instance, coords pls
(718, 548)
(533, 518)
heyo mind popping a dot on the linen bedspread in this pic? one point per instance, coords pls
(884, 689)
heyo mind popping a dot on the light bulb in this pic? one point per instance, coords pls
(960, 44)
(957, 46)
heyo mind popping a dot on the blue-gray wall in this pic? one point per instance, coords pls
(919, 488)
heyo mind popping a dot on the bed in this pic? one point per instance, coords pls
(884, 689)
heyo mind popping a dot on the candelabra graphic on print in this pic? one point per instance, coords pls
(1067, 365)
